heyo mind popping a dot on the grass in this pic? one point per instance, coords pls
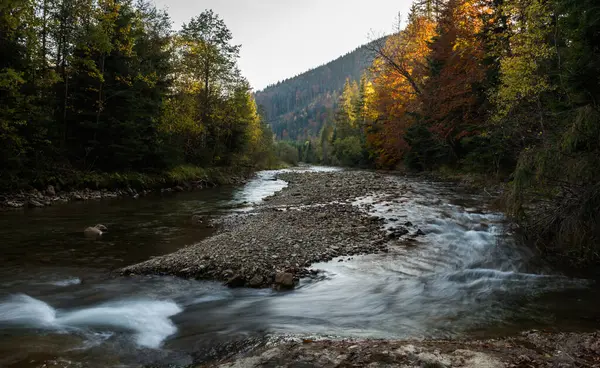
(179, 175)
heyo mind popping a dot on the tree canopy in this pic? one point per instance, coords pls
(109, 86)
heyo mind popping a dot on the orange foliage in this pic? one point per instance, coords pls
(400, 72)
(430, 72)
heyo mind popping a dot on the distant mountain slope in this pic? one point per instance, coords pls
(298, 107)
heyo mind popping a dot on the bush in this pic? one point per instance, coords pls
(287, 153)
(556, 190)
(349, 151)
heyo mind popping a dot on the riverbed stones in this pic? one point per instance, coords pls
(318, 223)
(528, 350)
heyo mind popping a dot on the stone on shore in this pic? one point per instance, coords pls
(50, 191)
(284, 280)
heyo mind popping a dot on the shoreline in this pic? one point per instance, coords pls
(132, 185)
(528, 349)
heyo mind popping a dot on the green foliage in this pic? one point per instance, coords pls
(487, 153)
(299, 107)
(287, 152)
(107, 86)
(349, 151)
(343, 142)
(555, 192)
(426, 152)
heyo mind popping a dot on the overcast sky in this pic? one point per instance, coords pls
(282, 38)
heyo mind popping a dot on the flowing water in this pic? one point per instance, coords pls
(59, 303)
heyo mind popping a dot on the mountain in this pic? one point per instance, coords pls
(298, 107)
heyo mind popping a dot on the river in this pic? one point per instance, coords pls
(469, 277)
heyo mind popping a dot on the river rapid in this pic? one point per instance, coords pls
(468, 277)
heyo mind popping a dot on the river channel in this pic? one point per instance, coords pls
(61, 305)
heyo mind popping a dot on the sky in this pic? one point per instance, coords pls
(283, 38)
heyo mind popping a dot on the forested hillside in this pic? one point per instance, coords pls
(297, 108)
(107, 86)
(505, 88)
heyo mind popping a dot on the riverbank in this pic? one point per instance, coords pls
(78, 186)
(529, 349)
(314, 219)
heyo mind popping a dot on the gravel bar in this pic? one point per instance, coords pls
(312, 220)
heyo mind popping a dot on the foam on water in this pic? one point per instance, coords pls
(67, 282)
(266, 184)
(463, 274)
(149, 320)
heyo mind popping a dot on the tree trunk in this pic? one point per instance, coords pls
(206, 107)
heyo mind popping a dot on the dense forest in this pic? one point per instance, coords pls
(506, 89)
(107, 86)
(298, 107)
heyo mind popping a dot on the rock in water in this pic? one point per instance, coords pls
(94, 232)
(35, 204)
(398, 232)
(236, 281)
(198, 219)
(284, 280)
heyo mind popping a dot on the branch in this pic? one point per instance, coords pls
(379, 49)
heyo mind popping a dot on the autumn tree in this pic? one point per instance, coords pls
(400, 71)
(452, 98)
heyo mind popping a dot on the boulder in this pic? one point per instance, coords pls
(35, 204)
(256, 281)
(284, 280)
(94, 232)
(198, 219)
(14, 204)
(236, 281)
(398, 232)
(374, 219)
(50, 191)
(179, 188)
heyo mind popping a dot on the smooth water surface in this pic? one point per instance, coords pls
(467, 277)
